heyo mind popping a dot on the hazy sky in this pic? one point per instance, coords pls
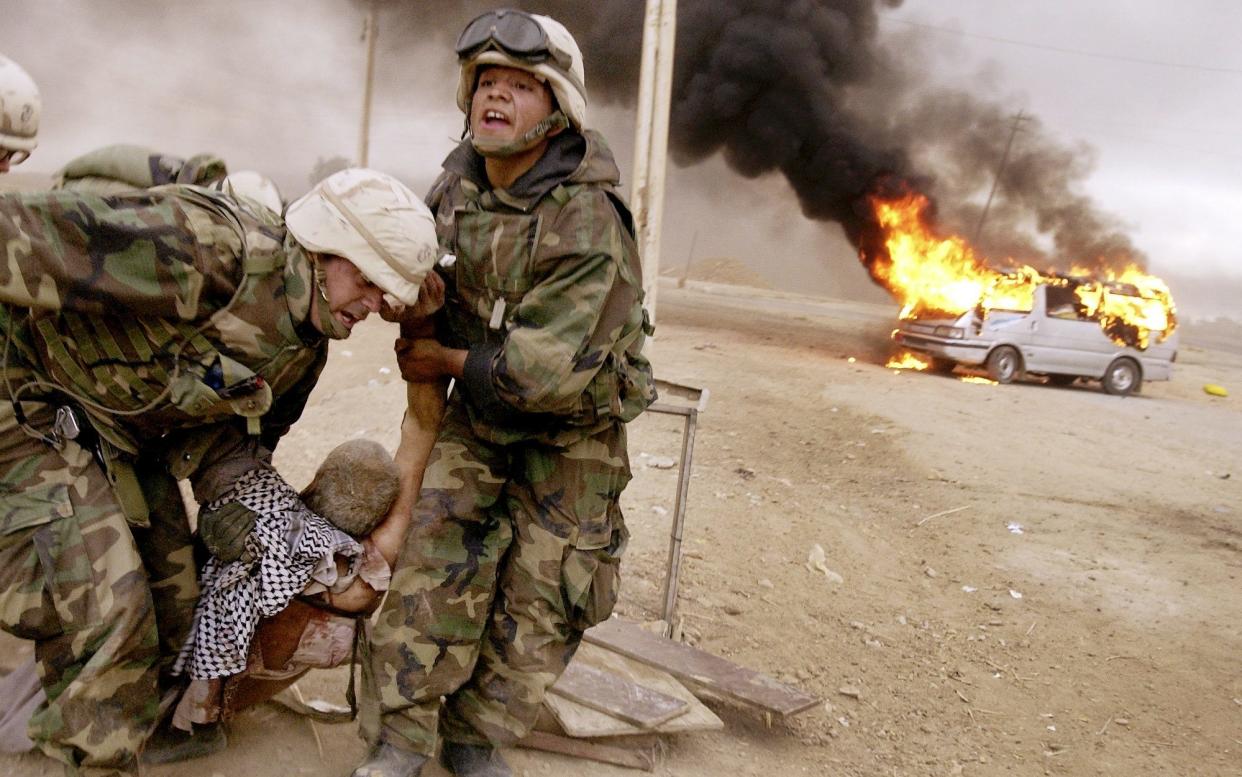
(1151, 85)
(1154, 86)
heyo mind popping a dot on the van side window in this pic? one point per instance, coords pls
(1062, 303)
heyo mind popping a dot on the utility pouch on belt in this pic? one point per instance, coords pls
(125, 486)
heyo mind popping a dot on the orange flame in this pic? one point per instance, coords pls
(907, 361)
(930, 274)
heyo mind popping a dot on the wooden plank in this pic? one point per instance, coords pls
(700, 669)
(610, 754)
(619, 697)
(579, 721)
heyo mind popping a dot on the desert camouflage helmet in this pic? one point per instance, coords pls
(537, 44)
(374, 221)
(19, 107)
(255, 186)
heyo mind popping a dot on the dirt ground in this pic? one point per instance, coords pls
(1035, 580)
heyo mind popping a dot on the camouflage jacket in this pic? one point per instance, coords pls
(175, 318)
(545, 294)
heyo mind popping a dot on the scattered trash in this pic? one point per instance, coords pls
(850, 691)
(766, 583)
(347, 353)
(385, 371)
(929, 572)
(851, 360)
(372, 383)
(970, 589)
(1014, 528)
(942, 512)
(658, 510)
(1015, 594)
(1215, 390)
(661, 462)
(817, 562)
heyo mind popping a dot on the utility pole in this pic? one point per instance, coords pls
(685, 271)
(370, 31)
(651, 138)
(1018, 119)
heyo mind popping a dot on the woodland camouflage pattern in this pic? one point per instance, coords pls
(516, 540)
(136, 309)
(564, 356)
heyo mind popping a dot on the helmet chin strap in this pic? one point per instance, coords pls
(328, 323)
(494, 149)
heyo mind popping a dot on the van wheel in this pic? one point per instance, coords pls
(1122, 378)
(1005, 364)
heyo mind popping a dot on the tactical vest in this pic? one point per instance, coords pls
(496, 247)
(137, 378)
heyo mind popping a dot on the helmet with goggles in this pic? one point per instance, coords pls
(537, 44)
(19, 111)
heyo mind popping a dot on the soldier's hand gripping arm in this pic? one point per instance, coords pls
(224, 529)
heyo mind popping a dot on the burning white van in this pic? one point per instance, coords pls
(1057, 335)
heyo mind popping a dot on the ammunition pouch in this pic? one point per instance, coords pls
(123, 478)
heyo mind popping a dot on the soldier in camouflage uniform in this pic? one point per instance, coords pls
(164, 334)
(517, 536)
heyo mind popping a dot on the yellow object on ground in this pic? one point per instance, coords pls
(1215, 390)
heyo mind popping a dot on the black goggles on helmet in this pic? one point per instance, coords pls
(515, 33)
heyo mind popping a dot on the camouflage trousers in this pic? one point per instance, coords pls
(84, 585)
(513, 552)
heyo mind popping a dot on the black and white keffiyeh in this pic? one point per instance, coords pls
(288, 545)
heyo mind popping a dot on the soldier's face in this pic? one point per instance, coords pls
(507, 103)
(351, 297)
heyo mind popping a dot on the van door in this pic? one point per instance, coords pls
(1067, 343)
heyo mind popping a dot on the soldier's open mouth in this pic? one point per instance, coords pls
(493, 118)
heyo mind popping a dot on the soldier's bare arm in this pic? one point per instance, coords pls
(424, 410)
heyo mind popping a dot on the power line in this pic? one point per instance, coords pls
(1063, 50)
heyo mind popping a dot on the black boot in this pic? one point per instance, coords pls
(168, 744)
(384, 760)
(473, 760)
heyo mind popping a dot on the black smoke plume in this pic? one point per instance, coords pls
(811, 89)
